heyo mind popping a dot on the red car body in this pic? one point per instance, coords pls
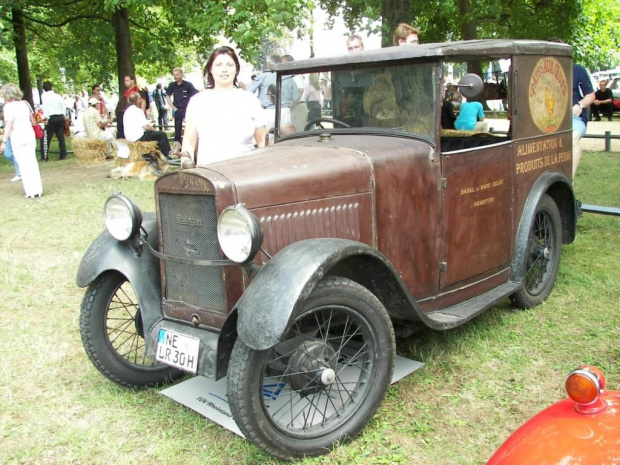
(567, 433)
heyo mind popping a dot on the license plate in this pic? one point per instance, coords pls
(178, 350)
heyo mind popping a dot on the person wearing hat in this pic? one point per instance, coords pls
(96, 127)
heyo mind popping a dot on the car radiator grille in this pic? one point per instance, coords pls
(189, 230)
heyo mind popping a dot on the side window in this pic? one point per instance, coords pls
(481, 121)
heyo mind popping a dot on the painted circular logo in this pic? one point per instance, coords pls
(548, 94)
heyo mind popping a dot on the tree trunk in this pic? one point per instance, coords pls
(124, 51)
(468, 26)
(393, 12)
(21, 53)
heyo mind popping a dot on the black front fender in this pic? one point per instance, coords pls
(272, 301)
(141, 270)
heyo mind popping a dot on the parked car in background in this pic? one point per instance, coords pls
(291, 270)
(582, 429)
(614, 85)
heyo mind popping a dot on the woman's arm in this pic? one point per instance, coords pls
(190, 138)
(8, 126)
(259, 136)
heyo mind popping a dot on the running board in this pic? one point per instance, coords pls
(613, 211)
(452, 317)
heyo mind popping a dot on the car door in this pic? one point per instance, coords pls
(477, 212)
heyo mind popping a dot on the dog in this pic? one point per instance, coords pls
(153, 165)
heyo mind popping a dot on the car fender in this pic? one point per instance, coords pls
(560, 189)
(141, 269)
(276, 295)
(561, 435)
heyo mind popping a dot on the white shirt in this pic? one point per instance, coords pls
(18, 111)
(52, 104)
(311, 94)
(134, 122)
(226, 122)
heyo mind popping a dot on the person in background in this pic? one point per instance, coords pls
(326, 89)
(162, 107)
(138, 128)
(68, 106)
(95, 127)
(265, 83)
(151, 108)
(77, 106)
(583, 97)
(447, 115)
(236, 127)
(405, 34)
(123, 104)
(54, 116)
(18, 120)
(8, 154)
(292, 90)
(312, 95)
(96, 93)
(355, 43)
(181, 91)
(471, 117)
(603, 102)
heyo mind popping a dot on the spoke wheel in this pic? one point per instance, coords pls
(542, 258)
(113, 334)
(324, 382)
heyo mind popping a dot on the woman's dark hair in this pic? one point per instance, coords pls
(221, 51)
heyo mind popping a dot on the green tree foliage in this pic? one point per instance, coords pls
(79, 37)
(247, 23)
(591, 26)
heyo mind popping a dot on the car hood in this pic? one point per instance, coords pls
(284, 174)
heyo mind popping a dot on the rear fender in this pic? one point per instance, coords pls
(140, 269)
(559, 188)
(276, 295)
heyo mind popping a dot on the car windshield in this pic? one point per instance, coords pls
(397, 98)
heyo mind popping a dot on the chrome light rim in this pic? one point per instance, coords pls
(123, 217)
(239, 233)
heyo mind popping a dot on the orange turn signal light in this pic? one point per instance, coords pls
(582, 386)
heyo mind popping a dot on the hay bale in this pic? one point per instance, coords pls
(89, 151)
(457, 133)
(136, 150)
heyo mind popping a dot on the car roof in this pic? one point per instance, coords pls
(459, 50)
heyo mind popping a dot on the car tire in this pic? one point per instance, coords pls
(321, 384)
(113, 337)
(542, 255)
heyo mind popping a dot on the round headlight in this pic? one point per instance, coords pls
(240, 233)
(123, 218)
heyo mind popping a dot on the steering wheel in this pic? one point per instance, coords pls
(324, 120)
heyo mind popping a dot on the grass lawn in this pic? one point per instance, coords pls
(479, 383)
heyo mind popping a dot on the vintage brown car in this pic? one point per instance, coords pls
(291, 269)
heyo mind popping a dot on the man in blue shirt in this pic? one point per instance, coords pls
(583, 97)
(181, 91)
(471, 117)
(265, 83)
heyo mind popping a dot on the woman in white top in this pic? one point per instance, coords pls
(222, 121)
(18, 127)
(312, 96)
